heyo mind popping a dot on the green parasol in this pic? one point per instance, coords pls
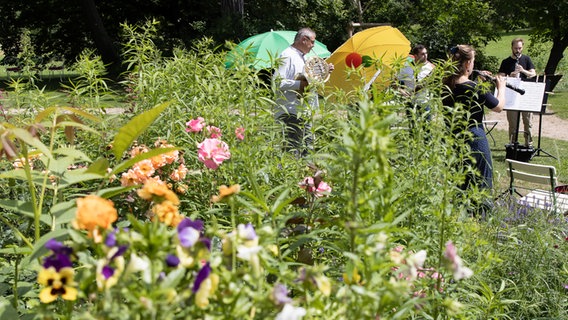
(261, 51)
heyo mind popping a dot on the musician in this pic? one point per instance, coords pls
(415, 70)
(292, 84)
(467, 94)
(518, 65)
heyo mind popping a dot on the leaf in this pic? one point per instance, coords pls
(26, 137)
(129, 132)
(7, 311)
(100, 166)
(79, 175)
(23, 207)
(64, 212)
(111, 192)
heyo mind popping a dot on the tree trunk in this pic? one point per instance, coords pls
(233, 7)
(101, 37)
(559, 44)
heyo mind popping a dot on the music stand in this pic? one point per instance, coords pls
(530, 101)
(550, 83)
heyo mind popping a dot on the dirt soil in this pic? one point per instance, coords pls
(552, 126)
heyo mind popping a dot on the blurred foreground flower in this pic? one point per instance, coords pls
(455, 263)
(212, 152)
(57, 283)
(57, 274)
(289, 312)
(94, 212)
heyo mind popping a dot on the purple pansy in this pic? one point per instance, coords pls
(172, 260)
(61, 256)
(57, 260)
(280, 294)
(201, 276)
(58, 247)
(189, 232)
(107, 272)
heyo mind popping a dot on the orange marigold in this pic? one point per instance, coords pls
(225, 191)
(94, 211)
(157, 190)
(167, 212)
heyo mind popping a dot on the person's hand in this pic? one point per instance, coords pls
(303, 84)
(500, 82)
(331, 67)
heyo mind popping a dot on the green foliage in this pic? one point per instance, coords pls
(374, 241)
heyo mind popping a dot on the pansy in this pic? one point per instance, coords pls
(57, 283)
(172, 260)
(195, 125)
(204, 286)
(280, 294)
(189, 232)
(212, 152)
(289, 312)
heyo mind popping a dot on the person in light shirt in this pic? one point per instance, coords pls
(293, 99)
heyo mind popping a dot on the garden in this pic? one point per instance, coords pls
(169, 196)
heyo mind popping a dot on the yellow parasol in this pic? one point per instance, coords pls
(367, 57)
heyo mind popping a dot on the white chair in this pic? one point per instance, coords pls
(545, 176)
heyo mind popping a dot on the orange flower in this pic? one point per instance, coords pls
(167, 212)
(157, 190)
(225, 191)
(92, 212)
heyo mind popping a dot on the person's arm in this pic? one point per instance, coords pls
(500, 85)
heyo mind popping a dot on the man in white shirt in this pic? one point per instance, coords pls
(411, 75)
(292, 99)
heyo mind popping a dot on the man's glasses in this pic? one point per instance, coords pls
(311, 40)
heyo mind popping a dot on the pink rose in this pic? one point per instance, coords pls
(214, 132)
(195, 125)
(240, 133)
(212, 152)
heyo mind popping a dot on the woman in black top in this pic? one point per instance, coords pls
(472, 98)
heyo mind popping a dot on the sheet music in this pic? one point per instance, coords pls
(531, 101)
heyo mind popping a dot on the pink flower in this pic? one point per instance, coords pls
(214, 132)
(455, 262)
(212, 152)
(322, 189)
(240, 133)
(195, 125)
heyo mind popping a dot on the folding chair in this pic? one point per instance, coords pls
(489, 125)
(545, 198)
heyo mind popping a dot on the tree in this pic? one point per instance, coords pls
(546, 19)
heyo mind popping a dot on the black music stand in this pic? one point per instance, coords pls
(550, 82)
(530, 101)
